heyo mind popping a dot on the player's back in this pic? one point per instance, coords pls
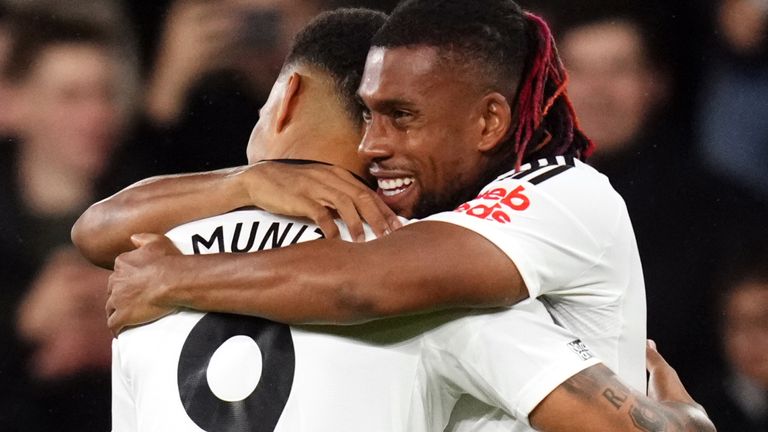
(193, 371)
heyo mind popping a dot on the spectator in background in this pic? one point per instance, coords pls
(687, 221)
(733, 117)
(739, 401)
(214, 66)
(5, 43)
(64, 81)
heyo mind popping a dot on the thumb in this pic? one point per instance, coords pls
(653, 359)
(142, 239)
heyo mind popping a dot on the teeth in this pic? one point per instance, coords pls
(392, 187)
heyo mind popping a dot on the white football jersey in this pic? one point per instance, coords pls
(569, 234)
(193, 371)
(498, 366)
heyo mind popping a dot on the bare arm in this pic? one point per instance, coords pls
(421, 267)
(155, 205)
(596, 400)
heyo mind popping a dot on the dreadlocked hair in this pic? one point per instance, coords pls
(512, 52)
(546, 121)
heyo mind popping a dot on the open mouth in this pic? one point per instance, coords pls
(395, 186)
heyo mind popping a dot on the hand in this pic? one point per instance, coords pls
(136, 281)
(318, 192)
(195, 37)
(665, 386)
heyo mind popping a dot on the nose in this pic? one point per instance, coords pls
(375, 144)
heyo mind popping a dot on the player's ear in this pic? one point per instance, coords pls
(496, 121)
(288, 102)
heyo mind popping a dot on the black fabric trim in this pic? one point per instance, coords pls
(549, 174)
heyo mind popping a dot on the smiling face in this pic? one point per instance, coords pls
(424, 129)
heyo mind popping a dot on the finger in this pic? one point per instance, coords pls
(348, 213)
(110, 310)
(367, 204)
(323, 217)
(373, 209)
(379, 217)
(114, 324)
(653, 358)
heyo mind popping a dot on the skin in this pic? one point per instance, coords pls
(412, 284)
(428, 124)
(745, 330)
(613, 85)
(67, 115)
(362, 281)
(573, 404)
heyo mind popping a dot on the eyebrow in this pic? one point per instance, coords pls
(388, 104)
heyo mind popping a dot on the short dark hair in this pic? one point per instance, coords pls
(33, 31)
(338, 42)
(516, 54)
(490, 34)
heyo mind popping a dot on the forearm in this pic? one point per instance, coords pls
(596, 400)
(416, 269)
(154, 205)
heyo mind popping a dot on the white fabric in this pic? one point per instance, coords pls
(378, 377)
(572, 240)
(568, 233)
(344, 377)
(511, 359)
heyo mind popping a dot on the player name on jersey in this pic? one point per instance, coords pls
(251, 236)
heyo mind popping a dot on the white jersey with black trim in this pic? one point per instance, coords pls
(568, 232)
(498, 366)
(193, 371)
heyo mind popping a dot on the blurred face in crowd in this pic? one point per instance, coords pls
(422, 129)
(612, 84)
(745, 330)
(5, 42)
(66, 107)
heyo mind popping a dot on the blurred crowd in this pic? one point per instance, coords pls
(97, 94)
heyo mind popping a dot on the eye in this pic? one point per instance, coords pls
(400, 114)
(366, 115)
(401, 117)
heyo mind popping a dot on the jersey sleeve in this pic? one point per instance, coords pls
(510, 359)
(554, 231)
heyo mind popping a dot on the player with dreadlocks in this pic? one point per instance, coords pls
(468, 126)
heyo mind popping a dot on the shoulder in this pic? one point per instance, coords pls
(554, 187)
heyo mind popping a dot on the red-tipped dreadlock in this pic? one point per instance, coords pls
(544, 110)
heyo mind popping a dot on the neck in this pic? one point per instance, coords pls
(49, 189)
(325, 147)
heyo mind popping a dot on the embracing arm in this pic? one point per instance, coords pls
(155, 205)
(596, 400)
(422, 267)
